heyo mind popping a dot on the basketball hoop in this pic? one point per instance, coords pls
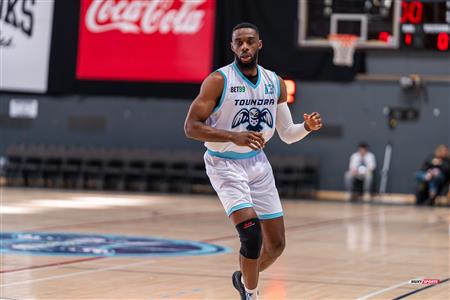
(343, 48)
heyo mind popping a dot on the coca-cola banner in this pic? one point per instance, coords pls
(25, 31)
(146, 40)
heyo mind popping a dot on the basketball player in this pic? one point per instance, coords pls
(235, 114)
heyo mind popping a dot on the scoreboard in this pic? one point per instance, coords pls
(425, 24)
(389, 24)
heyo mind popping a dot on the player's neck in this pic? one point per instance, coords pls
(249, 71)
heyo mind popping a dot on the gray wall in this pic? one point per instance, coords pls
(111, 121)
(352, 112)
(357, 110)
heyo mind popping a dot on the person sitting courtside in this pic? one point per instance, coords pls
(433, 176)
(361, 168)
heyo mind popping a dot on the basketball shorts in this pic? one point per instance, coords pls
(245, 182)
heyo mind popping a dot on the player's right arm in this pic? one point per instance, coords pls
(202, 107)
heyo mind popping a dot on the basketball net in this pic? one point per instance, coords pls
(343, 48)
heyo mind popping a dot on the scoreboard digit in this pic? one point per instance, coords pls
(425, 24)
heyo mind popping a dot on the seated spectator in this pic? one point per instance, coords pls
(360, 172)
(433, 176)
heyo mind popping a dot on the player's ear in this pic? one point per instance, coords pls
(260, 44)
(231, 46)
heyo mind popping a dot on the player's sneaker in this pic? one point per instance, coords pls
(237, 283)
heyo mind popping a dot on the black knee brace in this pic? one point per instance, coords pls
(251, 238)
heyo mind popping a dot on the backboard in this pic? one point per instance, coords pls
(375, 22)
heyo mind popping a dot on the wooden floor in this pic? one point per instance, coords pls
(334, 250)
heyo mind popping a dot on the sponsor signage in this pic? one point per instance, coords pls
(25, 34)
(154, 40)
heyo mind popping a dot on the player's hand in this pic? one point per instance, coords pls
(250, 139)
(313, 121)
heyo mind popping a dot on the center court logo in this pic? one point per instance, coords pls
(100, 245)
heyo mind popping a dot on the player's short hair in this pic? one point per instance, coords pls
(363, 145)
(246, 25)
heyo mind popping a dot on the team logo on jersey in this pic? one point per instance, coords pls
(268, 89)
(254, 117)
(237, 89)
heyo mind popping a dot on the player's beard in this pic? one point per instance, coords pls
(247, 66)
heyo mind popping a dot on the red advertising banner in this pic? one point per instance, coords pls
(146, 40)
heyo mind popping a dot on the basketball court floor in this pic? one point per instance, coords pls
(53, 247)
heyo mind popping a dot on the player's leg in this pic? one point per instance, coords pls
(250, 235)
(267, 205)
(230, 181)
(274, 241)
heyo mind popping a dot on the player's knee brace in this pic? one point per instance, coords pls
(251, 238)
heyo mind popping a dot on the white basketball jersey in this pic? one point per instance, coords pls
(244, 106)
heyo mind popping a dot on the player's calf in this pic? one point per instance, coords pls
(271, 251)
(274, 249)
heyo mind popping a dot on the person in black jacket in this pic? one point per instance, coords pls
(433, 176)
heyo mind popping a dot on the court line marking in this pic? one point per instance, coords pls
(92, 223)
(170, 215)
(91, 271)
(335, 282)
(75, 274)
(81, 225)
(393, 287)
(312, 239)
(61, 263)
(419, 290)
(296, 227)
(148, 218)
(317, 224)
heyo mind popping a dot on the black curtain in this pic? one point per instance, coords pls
(63, 51)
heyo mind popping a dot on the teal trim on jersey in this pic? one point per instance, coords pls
(238, 207)
(278, 84)
(245, 78)
(271, 216)
(234, 155)
(224, 91)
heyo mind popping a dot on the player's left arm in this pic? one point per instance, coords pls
(288, 131)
